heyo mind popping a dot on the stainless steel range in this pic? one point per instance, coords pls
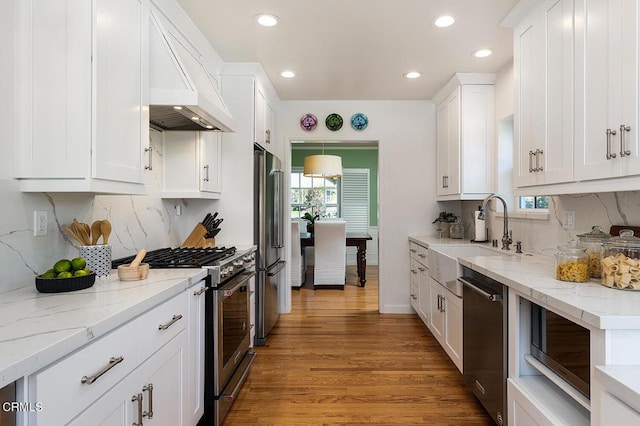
(227, 328)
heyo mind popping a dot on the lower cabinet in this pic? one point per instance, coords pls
(445, 321)
(525, 411)
(616, 412)
(136, 373)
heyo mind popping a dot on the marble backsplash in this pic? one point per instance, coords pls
(603, 209)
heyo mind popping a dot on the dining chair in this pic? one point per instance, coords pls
(330, 253)
(298, 272)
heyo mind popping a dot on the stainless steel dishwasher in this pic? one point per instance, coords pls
(485, 341)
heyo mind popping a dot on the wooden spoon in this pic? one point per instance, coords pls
(71, 232)
(81, 232)
(95, 232)
(136, 261)
(105, 228)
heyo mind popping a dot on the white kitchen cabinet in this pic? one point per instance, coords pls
(102, 381)
(419, 281)
(525, 411)
(465, 137)
(607, 89)
(616, 412)
(81, 96)
(194, 407)
(192, 165)
(445, 321)
(544, 77)
(264, 120)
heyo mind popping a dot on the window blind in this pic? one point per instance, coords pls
(354, 202)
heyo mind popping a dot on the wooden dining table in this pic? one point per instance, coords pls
(354, 239)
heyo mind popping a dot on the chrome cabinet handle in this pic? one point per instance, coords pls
(200, 291)
(610, 154)
(413, 250)
(442, 303)
(138, 398)
(267, 135)
(421, 269)
(531, 162)
(539, 168)
(113, 361)
(413, 271)
(206, 173)
(174, 319)
(422, 255)
(624, 129)
(439, 301)
(150, 151)
(148, 388)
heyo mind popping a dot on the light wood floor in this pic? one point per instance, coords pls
(336, 360)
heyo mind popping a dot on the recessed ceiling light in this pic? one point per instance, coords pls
(195, 118)
(287, 74)
(482, 53)
(444, 21)
(177, 107)
(267, 20)
(413, 74)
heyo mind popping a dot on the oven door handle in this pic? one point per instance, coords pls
(246, 276)
(492, 297)
(275, 269)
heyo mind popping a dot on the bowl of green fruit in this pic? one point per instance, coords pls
(66, 275)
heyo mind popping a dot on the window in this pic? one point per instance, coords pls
(314, 195)
(534, 203)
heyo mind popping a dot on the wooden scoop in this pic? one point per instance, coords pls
(96, 232)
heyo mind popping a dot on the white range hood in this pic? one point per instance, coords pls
(182, 94)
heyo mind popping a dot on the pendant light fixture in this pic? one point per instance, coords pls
(323, 166)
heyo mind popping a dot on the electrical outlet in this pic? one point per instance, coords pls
(568, 219)
(40, 219)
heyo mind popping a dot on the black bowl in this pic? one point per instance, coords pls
(60, 285)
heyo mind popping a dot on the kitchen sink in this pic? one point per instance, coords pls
(444, 266)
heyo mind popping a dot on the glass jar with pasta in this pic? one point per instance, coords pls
(621, 261)
(572, 263)
(593, 241)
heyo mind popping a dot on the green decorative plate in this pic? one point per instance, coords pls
(333, 122)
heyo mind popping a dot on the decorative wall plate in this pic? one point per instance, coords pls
(333, 122)
(308, 122)
(359, 121)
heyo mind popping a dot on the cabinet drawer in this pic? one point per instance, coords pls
(161, 324)
(418, 253)
(60, 388)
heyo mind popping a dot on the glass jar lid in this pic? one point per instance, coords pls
(573, 248)
(596, 234)
(624, 240)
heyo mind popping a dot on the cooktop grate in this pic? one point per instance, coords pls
(181, 257)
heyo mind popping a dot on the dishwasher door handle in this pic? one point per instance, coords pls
(481, 292)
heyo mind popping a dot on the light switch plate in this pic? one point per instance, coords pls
(568, 219)
(40, 219)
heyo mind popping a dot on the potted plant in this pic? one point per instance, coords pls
(310, 221)
(443, 223)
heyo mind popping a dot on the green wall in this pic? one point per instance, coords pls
(352, 158)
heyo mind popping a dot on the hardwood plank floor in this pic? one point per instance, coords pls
(336, 360)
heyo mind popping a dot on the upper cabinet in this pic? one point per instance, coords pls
(465, 138)
(81, 96)
(576, 96)
(607, 89)
(264, 118)
(543, 124)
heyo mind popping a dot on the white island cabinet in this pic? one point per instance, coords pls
(82, 114)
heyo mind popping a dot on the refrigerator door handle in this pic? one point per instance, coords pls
(278, 240)
(276, 268)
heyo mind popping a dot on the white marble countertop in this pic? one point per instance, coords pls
(532, 276)
(36, 328)
(623, 381)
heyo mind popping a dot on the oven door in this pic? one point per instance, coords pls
(231, 331)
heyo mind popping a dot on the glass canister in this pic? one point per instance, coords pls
(621, 261)
(593, 242)
(457, 230)
(572, 263)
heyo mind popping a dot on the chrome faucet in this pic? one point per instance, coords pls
(506, 236)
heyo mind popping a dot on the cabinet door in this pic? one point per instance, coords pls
(210, 162)
(436, 318)
(260, 105)
(606, 88)
(121, 121)
(453, 328)
(162, 381)
(448, 146)
(194, 406)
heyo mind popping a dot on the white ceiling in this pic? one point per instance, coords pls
(357, 49)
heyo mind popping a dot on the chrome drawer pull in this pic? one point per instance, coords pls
(138, 398)
(624, 129)
(150, 151)
(530, 161)
(148, 388)
(206, 173)
(610, 133)
(200, 291)
(113, 361)
(174, 319)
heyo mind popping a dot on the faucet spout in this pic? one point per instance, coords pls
(506, 236)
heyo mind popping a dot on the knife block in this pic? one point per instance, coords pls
(197, 238)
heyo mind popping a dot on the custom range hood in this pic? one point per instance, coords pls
(182, 94)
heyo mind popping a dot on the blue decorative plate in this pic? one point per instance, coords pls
(308, 122)
(333, 122)
(359, 121)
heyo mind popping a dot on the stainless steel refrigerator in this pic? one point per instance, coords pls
(268, 232)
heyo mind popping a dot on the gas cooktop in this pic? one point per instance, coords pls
(181, 257)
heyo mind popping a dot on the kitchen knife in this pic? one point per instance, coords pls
(206, 219)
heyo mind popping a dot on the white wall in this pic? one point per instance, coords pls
(405, 132)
